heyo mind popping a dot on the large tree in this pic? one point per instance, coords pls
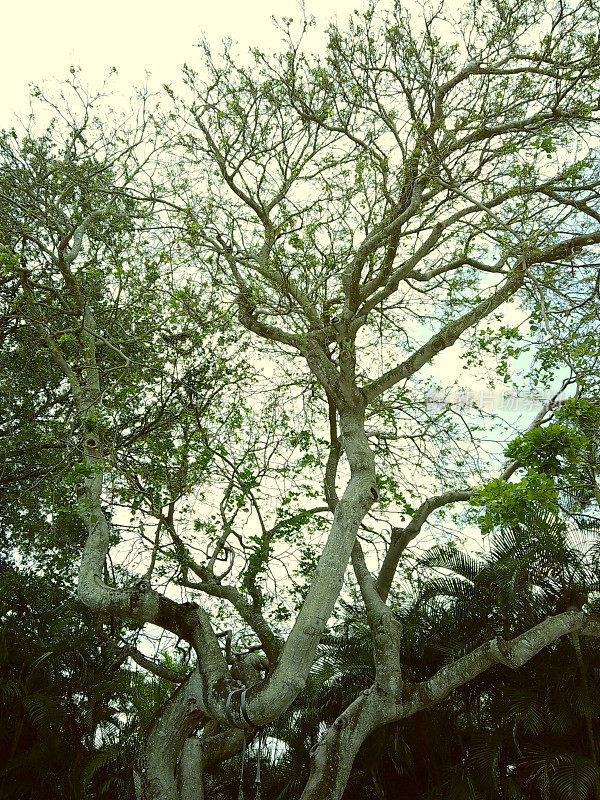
(237, 315)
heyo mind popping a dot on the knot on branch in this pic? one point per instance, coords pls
(249, 668)
(140, 588)
(500, 650)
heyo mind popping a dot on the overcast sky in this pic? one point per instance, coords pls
(42, 39)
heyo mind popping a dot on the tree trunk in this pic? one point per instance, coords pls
(199, 755)
(332, 758)
(167, 734)
(190, 771)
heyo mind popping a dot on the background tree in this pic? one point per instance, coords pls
(64, 700)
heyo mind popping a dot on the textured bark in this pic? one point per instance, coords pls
(385, 629)
(268, 701)
(191, 771)
(169, 729)
(333, 756)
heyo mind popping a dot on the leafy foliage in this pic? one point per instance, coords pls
(223, 326)
(64, 704)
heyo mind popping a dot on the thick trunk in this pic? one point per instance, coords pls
(168, 732)
(333, 756)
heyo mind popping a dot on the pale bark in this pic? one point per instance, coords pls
(191, 771)
(447, 335)
(385, 629)
(205, 690)
(401, 537)
(169, 729)
(198, 755)
(268, 701)
(172, 764)
(333, 756)
(410, 195)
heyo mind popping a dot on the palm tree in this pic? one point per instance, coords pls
(527, 727)
(63, 704)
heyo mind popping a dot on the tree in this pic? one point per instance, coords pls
(64, 698)
(362, 214)
(505, 733)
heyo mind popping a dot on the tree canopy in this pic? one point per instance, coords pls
(228, 314)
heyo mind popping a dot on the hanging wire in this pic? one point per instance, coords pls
(241, 791)
(257, 779)
(258, 752)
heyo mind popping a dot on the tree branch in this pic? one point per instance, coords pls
(401, 537)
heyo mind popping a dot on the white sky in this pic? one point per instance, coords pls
(42, 39)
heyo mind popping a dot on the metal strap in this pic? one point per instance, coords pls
(241, 792)
(244, 713)
(228, 701)
(260, 740)
(243, 709)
